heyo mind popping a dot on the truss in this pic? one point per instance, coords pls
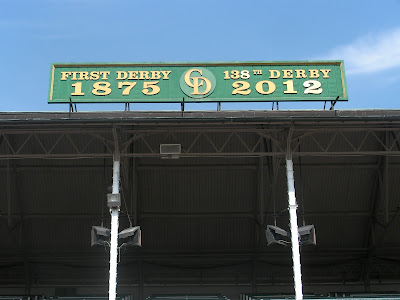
(217, 141)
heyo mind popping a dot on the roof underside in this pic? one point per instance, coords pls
(203, 216)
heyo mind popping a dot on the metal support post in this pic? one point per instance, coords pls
(294, 230)
(114, 211)
(387, 182)
(9, 197)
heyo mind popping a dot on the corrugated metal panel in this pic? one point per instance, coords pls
(212, 190)
(61, 190)
(340, 232)
(57, 234)
(389, 236)
(196, 233)
(336, 189)
(393, 187)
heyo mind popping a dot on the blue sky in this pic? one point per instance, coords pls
(35, 34)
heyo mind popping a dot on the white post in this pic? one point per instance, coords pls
(294, 230)
(114, 211)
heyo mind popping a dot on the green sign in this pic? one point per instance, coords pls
(198, 82)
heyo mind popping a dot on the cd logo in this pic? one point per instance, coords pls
(197, 83)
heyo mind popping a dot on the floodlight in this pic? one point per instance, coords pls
(307, 235)
(100, 236)
(130, 237)
(113, 200)
(276, 235)
(170, 151)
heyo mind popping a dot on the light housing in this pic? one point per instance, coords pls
(276, 235)
(113, 200)
(100, 236)
(307, 235)
(170, 151)
(131, 236)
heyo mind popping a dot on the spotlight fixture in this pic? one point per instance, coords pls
(113, 200)
(307, 235)
(100, 236)
(276, 235)
(170, 151)
(130, 237)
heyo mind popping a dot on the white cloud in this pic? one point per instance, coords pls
(371, 53)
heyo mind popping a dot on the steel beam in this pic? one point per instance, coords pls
(249, 138)
(224, 214)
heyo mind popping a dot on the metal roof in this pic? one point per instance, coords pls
(203, 216)
(195, 116)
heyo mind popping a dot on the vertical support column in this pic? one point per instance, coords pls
(134, 201)
(294, 229)
(9, 200)
(254, 276)
(114, 211)
(261, 188)
(141, 281)
(387, 182)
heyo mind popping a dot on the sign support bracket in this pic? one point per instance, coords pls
(332, 103)
(277, 105)
(183, 106)
(71, 106)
